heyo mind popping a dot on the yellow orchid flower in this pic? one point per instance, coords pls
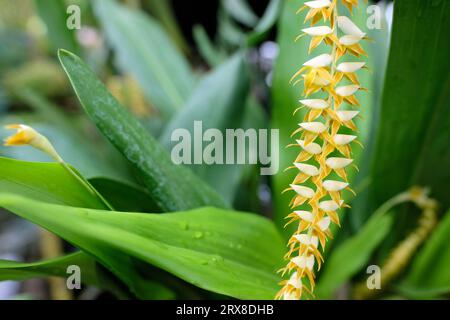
(26, 135)
(318, 9)
(325, 151)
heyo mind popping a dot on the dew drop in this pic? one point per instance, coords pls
(198, 235)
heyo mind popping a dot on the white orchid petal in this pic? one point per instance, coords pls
(315, 103)
(303, 191)
(305, 215)
(338, 163)
(315, 127)
(307, 169)
(329, 205)
(324, 223)
(346, 115)
(349, 67)
(287, 296)
(348, 27)
(318, 31)
(314, 241)
(310, 262)
(333, 185)
(307, 240)
(343, 139)
(318, 4)
(299, 261)
(349, 40)
(295, 281)
(312, 147)
(321, 61)
(346, 91)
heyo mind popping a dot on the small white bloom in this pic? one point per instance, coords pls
(329, 205)
(349, 40)
(315, 103)
(321, 61)
(289, 296)
(307, 240)
(349, 67)
(324, 223)
(333, 185)
(312, 147)
(295, 281)
(346, 115)
(303, 191)
(315, 127)
(318, 4)
(318, 31)
(321, 82)
(338, 163)
(305, 215)
(307, 169)
(348, 27)
(343, 139)
(346, 91)
(304, 262)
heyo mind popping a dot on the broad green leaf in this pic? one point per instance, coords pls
(90, 272)
(429, 273)
(172, 187)
(123, 196)
(235, 254)
(219, 102)
(54, 15)
(31, 180)
(352, 255)
(144, 49)
(414, 124)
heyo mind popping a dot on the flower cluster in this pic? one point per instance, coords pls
(324, 139)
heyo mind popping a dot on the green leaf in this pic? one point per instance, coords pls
(219, 102)
(123, 196)
(171, 187)
(144, 50)
(267, 21)
(352, 255)
(235, 254)
(163, 11)
(429, 269)
(414, 124)
(90, 272)
(240, 11)
(54, 15)
(206, 47)
(27, 179)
